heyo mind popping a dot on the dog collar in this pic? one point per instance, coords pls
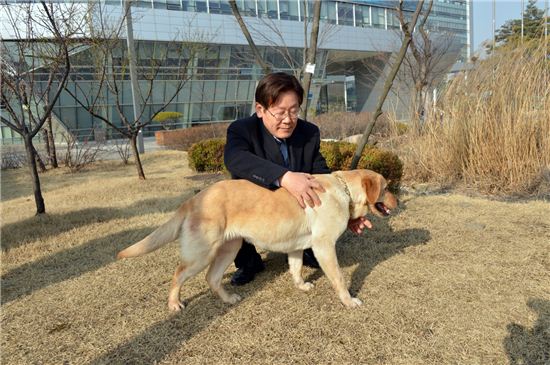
(346, 190)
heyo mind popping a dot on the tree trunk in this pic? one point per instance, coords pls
(52, 154)
(31, 160)
(387, 84)
(311, 53)
(39, 162)
(47, 142)
(135, 152)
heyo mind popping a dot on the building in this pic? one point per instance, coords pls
(357, 39)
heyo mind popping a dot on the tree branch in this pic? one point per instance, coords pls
(266, 69)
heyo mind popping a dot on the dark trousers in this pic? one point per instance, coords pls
(248, 257)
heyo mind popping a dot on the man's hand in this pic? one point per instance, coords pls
(357, 225)
(301, 186)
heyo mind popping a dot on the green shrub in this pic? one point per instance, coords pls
(339, 155)
(207, 155)
(167, 118)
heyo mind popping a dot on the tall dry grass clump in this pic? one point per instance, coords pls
(493, 129)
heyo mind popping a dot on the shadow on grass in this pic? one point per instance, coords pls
(383, 245)
(48, 225)
(530, 345)
(162, 338)
(62, 266)
(371, 248)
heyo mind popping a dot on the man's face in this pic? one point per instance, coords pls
(280, 119)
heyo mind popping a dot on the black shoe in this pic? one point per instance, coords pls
(310, 260)
(245, 275)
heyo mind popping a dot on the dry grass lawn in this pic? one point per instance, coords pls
(451, 279)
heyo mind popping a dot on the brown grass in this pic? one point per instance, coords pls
(449, 280)
(494, 134)
(183, 139)
(339, 125)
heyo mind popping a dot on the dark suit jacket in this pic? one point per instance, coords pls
(252, 153)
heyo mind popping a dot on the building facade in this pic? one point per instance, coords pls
(357, 39)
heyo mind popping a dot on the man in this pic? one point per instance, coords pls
(273, 148)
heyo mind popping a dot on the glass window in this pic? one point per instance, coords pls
(220, 91)
(283, 9)
(362, 16)
(197, 6)
(271, 7)
(288, 9)
(262, 9)
(173, 5)
(219, 7)
(303, 10)
(378, 18)
(142, 4)
(225, 8)
(345, 14)
(215, 7)
(293, 10)
(250, 7)
(393, 21)
(328, 12)
(241, 57)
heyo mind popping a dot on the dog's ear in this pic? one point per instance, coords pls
(371, 185)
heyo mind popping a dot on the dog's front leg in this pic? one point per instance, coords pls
(295, 267)
(326, 255)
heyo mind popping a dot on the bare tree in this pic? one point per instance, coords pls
(407, 29)
(311, 53)
(112, 73)
(426, 62)
(270, 33)
(257, 55)
(35, 65)
(275, 39)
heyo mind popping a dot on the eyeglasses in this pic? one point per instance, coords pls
(279, 117)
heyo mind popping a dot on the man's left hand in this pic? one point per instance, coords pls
(357, 225)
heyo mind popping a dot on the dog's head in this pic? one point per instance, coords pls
(378, 199)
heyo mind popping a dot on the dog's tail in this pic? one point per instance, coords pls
(164, 234)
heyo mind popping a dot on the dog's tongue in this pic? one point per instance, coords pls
(382, 208)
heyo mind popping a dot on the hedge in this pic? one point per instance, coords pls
(207, 156)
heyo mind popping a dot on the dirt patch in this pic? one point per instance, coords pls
(451, 279)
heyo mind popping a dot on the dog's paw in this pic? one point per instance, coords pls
(305, 286)
(233, 298)
(353, 303)
(175, 306)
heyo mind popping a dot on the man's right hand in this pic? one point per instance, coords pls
(301, 186)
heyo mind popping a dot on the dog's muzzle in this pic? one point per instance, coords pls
(382, 208)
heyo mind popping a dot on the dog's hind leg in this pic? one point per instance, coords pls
(224, 257)
(183, 272)
(326, 255)
(295, 264)
(195, 257)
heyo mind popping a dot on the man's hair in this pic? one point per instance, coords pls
(273, 85)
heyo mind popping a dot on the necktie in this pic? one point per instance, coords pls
(284, 151)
